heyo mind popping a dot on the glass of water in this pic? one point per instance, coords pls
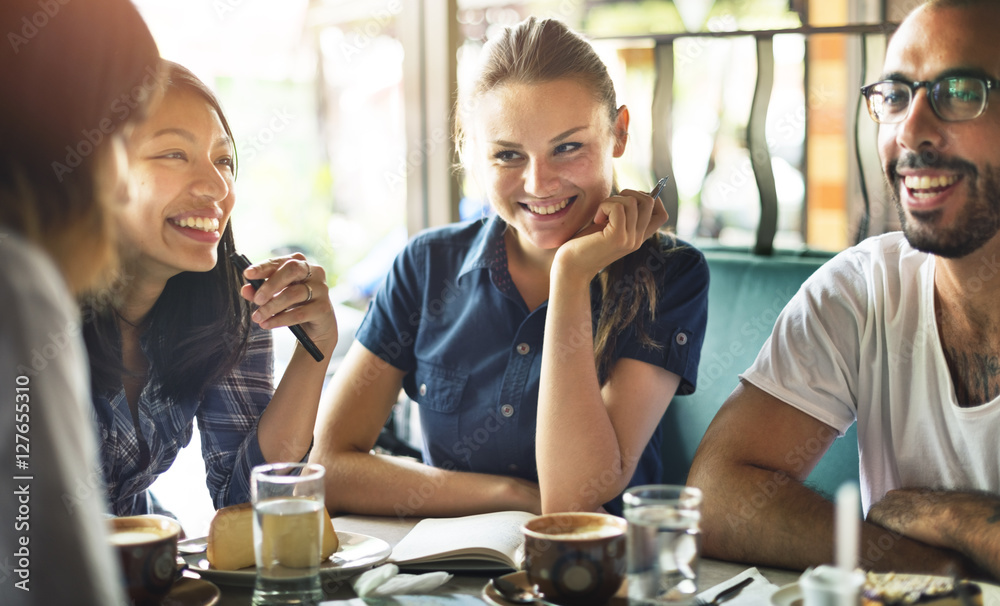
(664, 544)
(287, 532)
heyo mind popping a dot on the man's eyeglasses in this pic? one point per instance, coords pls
(953, 98)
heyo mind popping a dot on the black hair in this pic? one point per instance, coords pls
(199, 327)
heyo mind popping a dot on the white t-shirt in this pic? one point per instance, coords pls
(53, 540)
(860, 341)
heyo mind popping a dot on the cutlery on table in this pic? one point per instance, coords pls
(726, 594)
(962, 590)
(515, 593)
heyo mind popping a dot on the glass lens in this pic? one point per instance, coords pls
(888, 101)
(961, 98)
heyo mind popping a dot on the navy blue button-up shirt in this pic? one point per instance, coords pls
(450, 317)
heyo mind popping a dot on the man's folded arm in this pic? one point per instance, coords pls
(752, 464)
(966, 522)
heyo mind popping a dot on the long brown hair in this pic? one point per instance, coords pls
(543, 50)
(199, 327)
(72, 81)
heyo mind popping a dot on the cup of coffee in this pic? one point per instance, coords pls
(575, 559)
(147, 549)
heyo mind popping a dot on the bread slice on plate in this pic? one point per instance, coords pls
(230, 538)
(897, 589)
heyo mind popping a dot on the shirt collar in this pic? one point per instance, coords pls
(480, 253)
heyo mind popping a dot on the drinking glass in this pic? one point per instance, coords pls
(664, 544)
(287, 532)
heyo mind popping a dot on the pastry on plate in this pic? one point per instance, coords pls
(230, 538)
(897, 589)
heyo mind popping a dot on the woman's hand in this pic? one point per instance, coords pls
(622, 223)
(293, 292)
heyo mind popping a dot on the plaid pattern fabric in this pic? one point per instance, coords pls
(227, 418)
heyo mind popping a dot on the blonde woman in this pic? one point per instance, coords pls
(542, 345)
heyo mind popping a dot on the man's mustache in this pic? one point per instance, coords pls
(930, 159)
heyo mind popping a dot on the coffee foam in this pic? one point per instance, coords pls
(588, 532)
(137, 536)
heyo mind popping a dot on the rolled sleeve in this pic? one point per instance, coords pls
(681, 317)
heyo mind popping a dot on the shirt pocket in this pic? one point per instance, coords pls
(437, 387)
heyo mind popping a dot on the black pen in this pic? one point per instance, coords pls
(242, 263)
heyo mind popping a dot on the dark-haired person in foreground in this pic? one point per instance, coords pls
(900, 333)
(176, 338)
(62, 83)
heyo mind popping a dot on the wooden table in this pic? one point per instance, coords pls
(392, 530)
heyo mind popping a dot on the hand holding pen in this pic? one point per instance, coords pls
(659, 212)
(621, 224)
(290, 292)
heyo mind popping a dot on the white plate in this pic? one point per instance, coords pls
(791, 595)
(356, 552)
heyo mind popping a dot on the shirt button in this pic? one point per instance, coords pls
(507, 410)
(423, 389)
(523, 348)
(512, 467)
(681, 338)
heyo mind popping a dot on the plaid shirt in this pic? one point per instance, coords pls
(227, 418)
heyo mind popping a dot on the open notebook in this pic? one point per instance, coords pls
(489, 541)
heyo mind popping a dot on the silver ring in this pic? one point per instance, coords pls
(309, 273)
(309, 288)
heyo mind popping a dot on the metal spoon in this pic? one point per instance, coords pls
(514, 593)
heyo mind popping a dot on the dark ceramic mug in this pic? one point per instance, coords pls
(575, 559)
(147, 548)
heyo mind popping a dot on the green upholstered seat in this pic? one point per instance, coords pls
(746, 294)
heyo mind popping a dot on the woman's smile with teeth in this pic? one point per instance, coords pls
(548, 210)
(199, 223)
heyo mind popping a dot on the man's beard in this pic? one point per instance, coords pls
(976, 223)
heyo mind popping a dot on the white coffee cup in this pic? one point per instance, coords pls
(831, 586)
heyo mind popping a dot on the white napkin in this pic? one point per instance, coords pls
(756, 593)
(386, 580)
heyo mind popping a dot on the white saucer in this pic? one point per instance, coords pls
(357, 552)
(192, 592)
(789, 595)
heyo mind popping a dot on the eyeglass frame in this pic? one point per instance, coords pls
(989, 83)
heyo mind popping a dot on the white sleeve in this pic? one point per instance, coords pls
(810, 361)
